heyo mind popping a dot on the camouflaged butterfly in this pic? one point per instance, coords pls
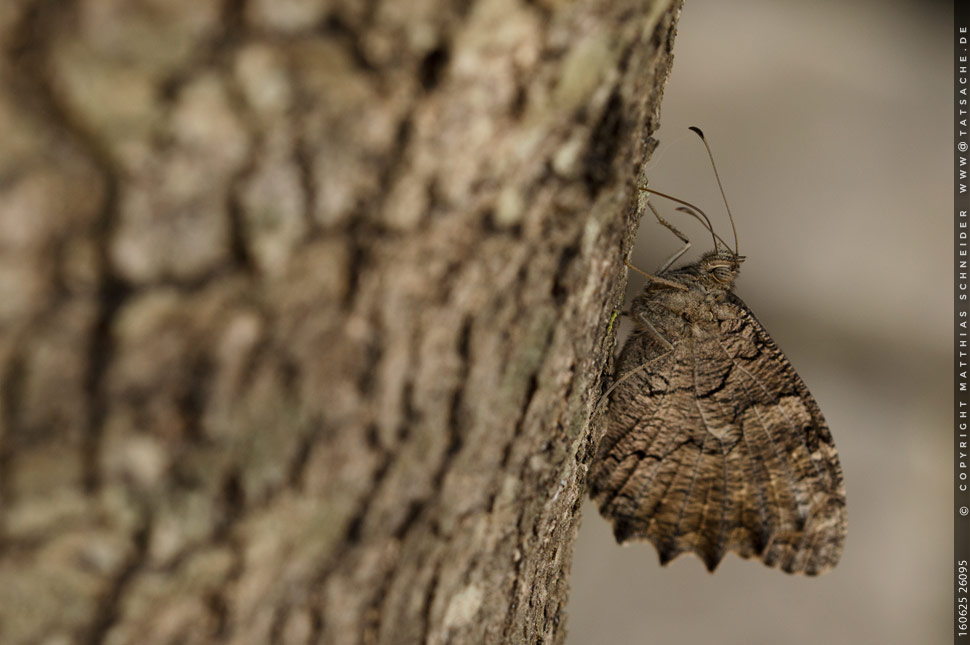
(713, 441)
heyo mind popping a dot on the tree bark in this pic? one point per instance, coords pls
(304, 311)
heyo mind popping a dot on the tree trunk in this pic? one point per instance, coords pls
(304, 309)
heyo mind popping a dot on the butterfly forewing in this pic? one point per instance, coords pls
(714, 444)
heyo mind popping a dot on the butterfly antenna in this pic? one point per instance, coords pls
(693, 210)
(699, 133)
(718, 238)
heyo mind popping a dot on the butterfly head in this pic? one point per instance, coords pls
(719, 268)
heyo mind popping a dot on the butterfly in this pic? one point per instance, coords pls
(713, 442)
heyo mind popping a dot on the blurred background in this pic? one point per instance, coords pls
(831, 125)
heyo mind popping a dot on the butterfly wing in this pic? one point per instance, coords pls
(717, 445)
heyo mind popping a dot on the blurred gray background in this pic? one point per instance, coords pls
(831, 125)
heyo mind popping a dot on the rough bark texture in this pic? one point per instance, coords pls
(304, 307)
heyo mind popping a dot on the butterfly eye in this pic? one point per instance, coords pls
(722, 274)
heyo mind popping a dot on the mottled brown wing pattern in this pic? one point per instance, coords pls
(718, 446)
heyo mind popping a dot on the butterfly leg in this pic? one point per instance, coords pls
(636, 370)
(656, 278)
(653, 330)
(680, 236)
(670, 260)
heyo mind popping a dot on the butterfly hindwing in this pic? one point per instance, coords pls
(717, 445)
